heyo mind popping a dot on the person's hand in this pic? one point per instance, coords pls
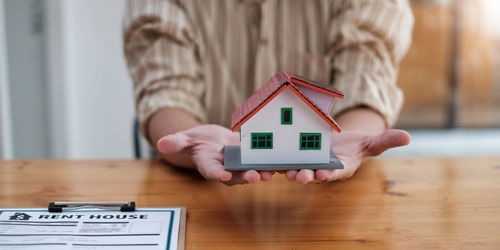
(204, 144)
(351, 148)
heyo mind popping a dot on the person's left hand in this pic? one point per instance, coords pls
(351, 148)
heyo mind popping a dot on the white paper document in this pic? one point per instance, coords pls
(152, 228)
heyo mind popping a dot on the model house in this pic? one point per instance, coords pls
(287, 121)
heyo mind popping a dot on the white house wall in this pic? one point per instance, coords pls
(286, 148)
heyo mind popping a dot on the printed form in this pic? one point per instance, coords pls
(152, 228)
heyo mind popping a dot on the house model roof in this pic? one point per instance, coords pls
(273, 88)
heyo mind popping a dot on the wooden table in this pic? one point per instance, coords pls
(389, 204)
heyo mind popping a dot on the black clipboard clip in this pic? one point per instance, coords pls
(60, 206)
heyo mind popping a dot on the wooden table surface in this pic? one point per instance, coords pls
(391, 203)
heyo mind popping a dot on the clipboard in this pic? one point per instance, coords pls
(99, 225)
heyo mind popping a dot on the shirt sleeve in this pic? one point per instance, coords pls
(366, 41)
(163, 59)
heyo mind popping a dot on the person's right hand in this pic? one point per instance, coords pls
(204, 144)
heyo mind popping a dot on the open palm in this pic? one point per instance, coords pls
(351, 148)
(204, 144)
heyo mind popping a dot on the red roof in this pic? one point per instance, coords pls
(272, 88)
(323, 88)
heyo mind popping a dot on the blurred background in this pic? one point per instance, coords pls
(65, 91)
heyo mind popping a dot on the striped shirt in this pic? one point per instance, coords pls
(207, 57)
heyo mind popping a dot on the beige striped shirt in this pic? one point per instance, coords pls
(207, 57)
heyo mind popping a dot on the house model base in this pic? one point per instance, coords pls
(232, 162)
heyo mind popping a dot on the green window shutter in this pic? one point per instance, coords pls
(262, 141)
(286, 116)
(310, 141)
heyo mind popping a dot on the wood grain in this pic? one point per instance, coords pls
(389, 204)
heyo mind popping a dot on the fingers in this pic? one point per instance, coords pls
(266, 175)
(291, 175)
(213, 169)
(395, 138)
(390, 139)
(173, 143)
(305, 176)
(324, 174)
(337, 175)
(251, 176)
(243, 177)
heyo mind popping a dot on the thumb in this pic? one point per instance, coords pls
(173, 143)
(389, 139)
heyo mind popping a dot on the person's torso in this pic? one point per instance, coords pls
(243, 43)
